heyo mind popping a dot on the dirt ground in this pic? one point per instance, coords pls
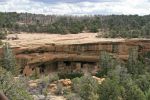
(27, 40)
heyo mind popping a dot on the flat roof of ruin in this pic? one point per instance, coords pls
(27, 40)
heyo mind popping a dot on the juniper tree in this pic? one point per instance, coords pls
(86, 87)
(8, 61)
(106, 62)
(14, 89)
(134, 65)
(110, 90)
(148, 95)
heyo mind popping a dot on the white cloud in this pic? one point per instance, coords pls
(141, 7)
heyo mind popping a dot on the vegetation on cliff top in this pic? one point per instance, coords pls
(130, 26)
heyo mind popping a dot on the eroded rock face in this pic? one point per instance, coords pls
(84, 57)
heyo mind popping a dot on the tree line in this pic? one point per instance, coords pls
(128, 26)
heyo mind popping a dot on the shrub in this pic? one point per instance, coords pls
(69, 75)
(109, 90)
(73, 96)
(133, 92)
(59, 90)
(53, 77)
(148, 95)
(2, 35)
(13, 89)
(86, 87)
(1, 42)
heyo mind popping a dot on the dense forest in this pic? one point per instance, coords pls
(128, 26)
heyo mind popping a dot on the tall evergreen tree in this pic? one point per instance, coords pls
(134, 65)
(8, 61)
(106, 62)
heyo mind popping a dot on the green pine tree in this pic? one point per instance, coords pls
(9, 61)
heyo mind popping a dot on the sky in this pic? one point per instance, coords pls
(77, 7)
